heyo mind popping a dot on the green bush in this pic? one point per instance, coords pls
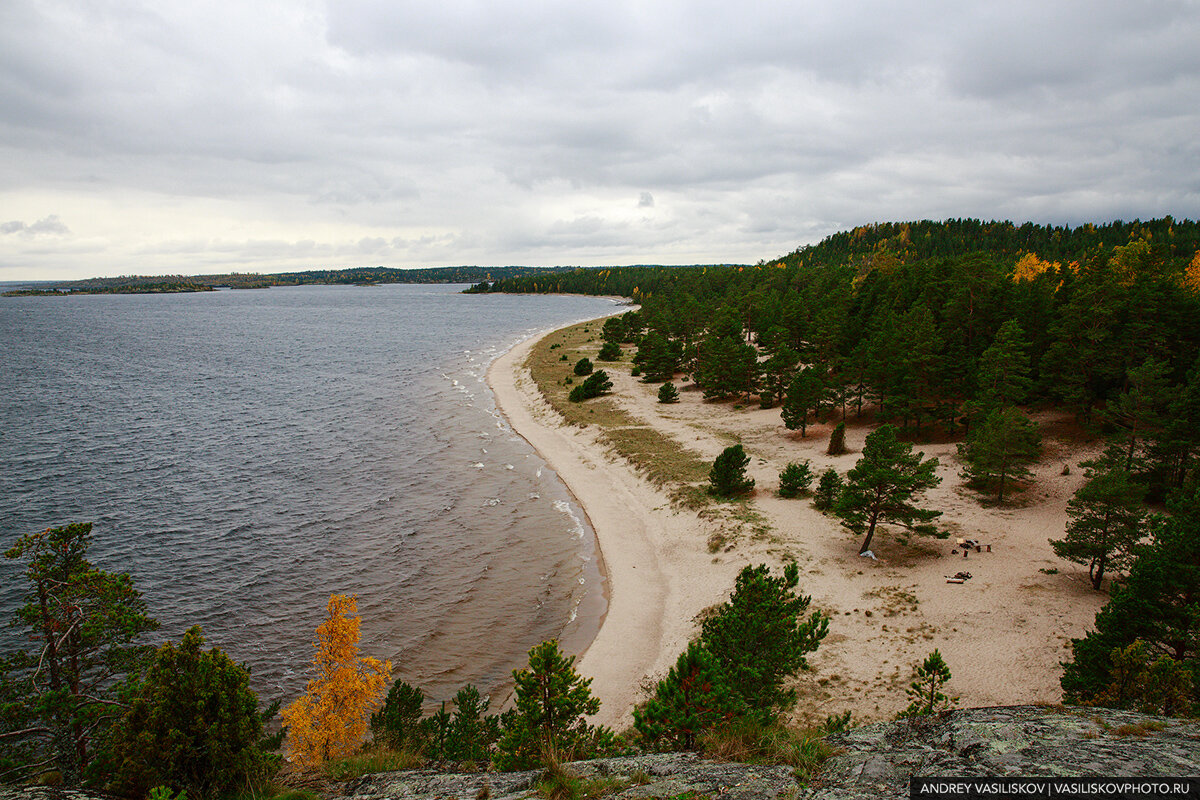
(667, 393)
(728, 474)
(694, 697)
(193, 725)
(594, 385)
(610, 351)
(583, 367)
(829, 488)
(795, 480)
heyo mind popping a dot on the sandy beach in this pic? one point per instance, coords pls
(1003, 632)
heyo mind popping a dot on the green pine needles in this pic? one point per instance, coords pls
(728, 474)
(736, 670)
(925, 690)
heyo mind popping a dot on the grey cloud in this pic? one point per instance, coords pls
(646, 200)
(47, 226)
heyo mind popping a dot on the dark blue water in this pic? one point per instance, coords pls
(245, 454)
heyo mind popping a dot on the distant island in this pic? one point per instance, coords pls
(355, 276)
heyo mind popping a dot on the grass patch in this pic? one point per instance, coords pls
(366, 763)
(558, 784)
(1144, 728)
(661, 459)
(750, 741)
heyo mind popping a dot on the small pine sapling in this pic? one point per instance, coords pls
(693, 698)
(926, 688)
(610, 351)
(668, 393)
(583, 366)
(795, 479)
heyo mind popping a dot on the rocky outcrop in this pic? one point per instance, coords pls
(1027, 741)
(663, 775)
(873, 762)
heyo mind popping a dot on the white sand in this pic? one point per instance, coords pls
(1002, 632)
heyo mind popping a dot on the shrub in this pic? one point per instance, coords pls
(837, 440)
(728, 474)
(583, 367)
(610, 351)
(193, 726)
(829, 488)
(668, 393)
(795, 480)
(594, 385)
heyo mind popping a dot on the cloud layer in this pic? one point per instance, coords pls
(215, 136)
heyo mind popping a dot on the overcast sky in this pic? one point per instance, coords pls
(197, 136)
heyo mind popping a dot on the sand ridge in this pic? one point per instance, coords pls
(1002, 632)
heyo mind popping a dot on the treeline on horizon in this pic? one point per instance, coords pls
(358, 276)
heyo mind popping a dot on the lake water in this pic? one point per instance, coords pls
(245, 454)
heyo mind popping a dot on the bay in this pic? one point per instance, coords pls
(245, 454)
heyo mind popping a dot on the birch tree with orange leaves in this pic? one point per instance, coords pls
(330, 719)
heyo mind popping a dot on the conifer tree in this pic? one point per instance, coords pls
(837, 440)
(610, 351)
(795, 479)
(1156, 603)
(1003, 376)
(330, 719)
(759, 637)
(594, 385)
(998, 449)
(926, 688)
(398, 723)
(691, 699)
(58, 698)
(829, 489)
(1107, 521)
(804, 394)
(667, 393)
(472, 730)
(192, 724)
(547, 726)
(881, 487)
(583, 367)
(728, 474)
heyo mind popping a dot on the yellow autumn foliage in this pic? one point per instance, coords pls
(330, 719)
(1191, 276)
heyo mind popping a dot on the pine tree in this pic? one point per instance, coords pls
(998, 450)
(610, 351)
(926, 688)
(804, 394)
(667, 393)
(829, 489)
(1155, 603)
(1003, 376)
(59, 697)
(397, 724)
(759, 637)
(330, 719)
(691, 699)
(882, 484)
(472, 730)
(728, 474)
(795, 479)
(1107, 521)
(594, 385)
(192, 724)
(547, 725)
(583, 367)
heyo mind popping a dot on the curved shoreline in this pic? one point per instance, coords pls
(640, 632)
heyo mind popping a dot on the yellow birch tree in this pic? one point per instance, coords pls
(330, 719)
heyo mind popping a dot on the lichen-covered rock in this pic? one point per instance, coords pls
(1029, 741)
(664, 775)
